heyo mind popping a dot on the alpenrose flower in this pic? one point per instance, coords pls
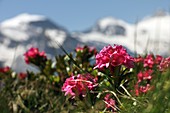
(22, 76)
(110, 103)
(158, 59)
(33, 53)
(113, 56)
(149, 61)
(4, 69)
(79, 85)
(145, 75)
(146, 78)
(165, 64)
(138, 59)
(90, 49)
(142, 89)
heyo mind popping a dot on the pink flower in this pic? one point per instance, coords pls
(158, 59)
(79, 48)
(78, 85)
(144, 89)
(4, 69)
(143, 78)
(149, 61)
(110, 103)
(90, 49)
(113, 56)
(117, 59)
(144, 75)
(33, 53)
(165, 63)
(22, 76)
(139, 59)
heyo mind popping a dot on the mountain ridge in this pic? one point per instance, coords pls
(27, 30)
(37, 32)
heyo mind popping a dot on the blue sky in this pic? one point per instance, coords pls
(77, 15)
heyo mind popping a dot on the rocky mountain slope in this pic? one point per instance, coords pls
(151, 34)
(24, 31)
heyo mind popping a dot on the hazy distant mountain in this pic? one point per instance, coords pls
(24, 31)
(110, 26)
(151, 34)
(154, 32)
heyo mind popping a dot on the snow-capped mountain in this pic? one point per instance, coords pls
(110, 26)
(24, 31)
(108, 30)
(152, 34)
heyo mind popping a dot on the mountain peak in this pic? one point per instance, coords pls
(21, 19)
(104, 22)
(110, 26)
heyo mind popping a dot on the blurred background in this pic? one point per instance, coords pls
(140, 26)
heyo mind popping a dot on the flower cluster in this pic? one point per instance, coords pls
(150, 64)
(158, 59)
(149, 61)
(145, 78)
(144, 75)
(165, 63)
(79, 85)
(33, 53)
(110, 103)
(113, 56)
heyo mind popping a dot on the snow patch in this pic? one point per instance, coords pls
(22, 19)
